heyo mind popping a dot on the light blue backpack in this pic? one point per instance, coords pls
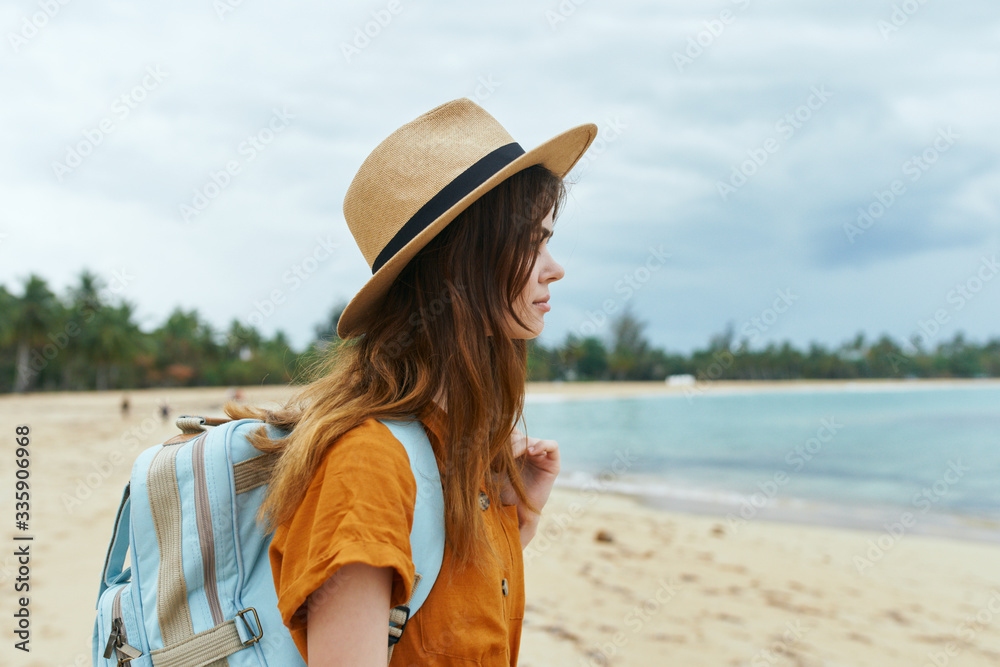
(199, 589)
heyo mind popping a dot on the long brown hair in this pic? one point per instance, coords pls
(442, 325)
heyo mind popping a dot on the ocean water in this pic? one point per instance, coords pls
(856, 455)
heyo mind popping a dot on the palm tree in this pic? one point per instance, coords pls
(34, 316)
(326, 331)
(593, 361)
(8, 308)
(117, 342)
(87, 295)
(283, 359)
(567, 357)
(186, 349)
(84, 349)
(629, 348)
(242, 341)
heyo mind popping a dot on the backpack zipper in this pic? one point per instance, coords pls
(117, 640)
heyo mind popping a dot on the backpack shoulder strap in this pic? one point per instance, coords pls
(114, 571)
(427, 535)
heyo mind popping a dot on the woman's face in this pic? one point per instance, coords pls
(546, 271)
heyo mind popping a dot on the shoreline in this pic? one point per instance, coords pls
(583, 389)
(788, 510)
(877, 521)
(740, 509)
(693, 501)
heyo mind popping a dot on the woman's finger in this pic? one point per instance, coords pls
(519, 444)
(543, 447)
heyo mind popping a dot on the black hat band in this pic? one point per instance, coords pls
(449, 195)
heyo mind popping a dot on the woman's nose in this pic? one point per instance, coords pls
(555, 271)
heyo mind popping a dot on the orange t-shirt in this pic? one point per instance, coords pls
(359, 509)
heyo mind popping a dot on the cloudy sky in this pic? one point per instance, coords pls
(803, 171)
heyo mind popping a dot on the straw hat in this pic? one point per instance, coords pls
(422, 176)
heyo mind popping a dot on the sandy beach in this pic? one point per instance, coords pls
(609, 581)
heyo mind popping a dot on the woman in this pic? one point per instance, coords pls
(452, 216)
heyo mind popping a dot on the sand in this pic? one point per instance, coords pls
(609, 581)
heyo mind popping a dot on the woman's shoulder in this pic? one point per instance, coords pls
(363, 474)
(371, 436)
(368, 452)
(370, 432)
(358, 507)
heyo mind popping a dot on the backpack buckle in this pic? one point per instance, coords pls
(254, 629)
(398, 617)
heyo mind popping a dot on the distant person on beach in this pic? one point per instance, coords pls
(164, 410)
(124, 406)
(452, 216)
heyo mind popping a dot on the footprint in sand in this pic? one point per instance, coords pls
(898, 617)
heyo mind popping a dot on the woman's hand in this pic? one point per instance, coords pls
(539, 471)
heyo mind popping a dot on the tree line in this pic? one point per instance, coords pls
(88, 339)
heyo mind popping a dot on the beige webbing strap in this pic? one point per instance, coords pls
(172, 610)
(205, 648)
(190, 424)
(251, 473)
(399, 617)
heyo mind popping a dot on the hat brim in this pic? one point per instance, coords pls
(558, 154)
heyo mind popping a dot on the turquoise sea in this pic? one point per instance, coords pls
(852, 454)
